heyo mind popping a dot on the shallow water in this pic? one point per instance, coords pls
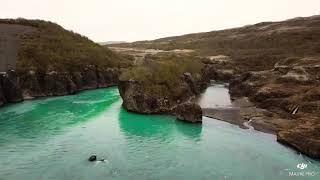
(52, 139)
(215, 96)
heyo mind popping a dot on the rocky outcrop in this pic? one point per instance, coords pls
(135, 99)
(189, 112)
(219, 73)
(31, 84)
(58, 84)
(108, 77)
(303, 137)
(138, 98)
(290, 95)
(90, 78)
(191, 83)
(76, 77)
(269, 90)
(11, 87)
(245, 84)
(2, 98)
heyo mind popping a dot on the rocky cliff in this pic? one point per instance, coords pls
(136, 98)
(16, 88)
(11, 88)
(163, 85)
(291, 94)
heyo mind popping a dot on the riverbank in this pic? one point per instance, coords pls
(17, 87)
(240, 111)
(217, 103)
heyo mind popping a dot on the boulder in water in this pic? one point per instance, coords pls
(92, 158)
(189, 112)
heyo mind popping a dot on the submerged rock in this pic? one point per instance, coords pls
(92, 158)
(189, 112)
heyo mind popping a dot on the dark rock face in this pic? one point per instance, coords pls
(107, 78)
(11, 87)
(189, 112)
(291, 96)
(187, 77)
(77, 80)
(2, 98)
(71, 86)
(101, 80)
(48, 84)
(55, 84)
(304, 138)
(29, 85)
(111, 76)
(136, 100)
(59, 84)
(90, 78)
(239, 86)
(218, 73)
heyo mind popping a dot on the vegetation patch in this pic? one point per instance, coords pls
(51, 47)
(161, 74)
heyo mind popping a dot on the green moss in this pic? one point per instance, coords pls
(160, 74)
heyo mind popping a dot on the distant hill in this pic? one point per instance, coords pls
(112, 42)
(252, 47)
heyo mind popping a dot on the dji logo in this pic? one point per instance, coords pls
(302, 166)
(302, 173)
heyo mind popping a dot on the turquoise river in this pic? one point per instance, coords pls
(52, 138)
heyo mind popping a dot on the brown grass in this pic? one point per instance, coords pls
(52, 47)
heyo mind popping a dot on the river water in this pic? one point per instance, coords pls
(52, 138)
(215, 96)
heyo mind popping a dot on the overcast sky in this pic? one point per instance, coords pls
(131, 20)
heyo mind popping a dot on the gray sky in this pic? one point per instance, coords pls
(131, 20)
